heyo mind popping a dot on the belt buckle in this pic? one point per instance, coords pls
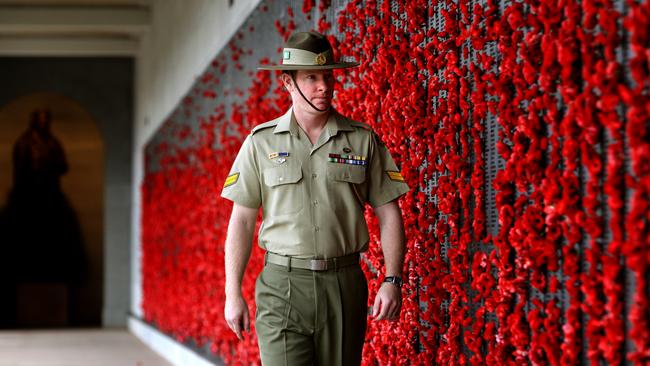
(318, 265)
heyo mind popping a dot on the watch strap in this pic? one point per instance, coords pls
(395, 280)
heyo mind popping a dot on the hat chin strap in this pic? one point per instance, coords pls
(303, 95)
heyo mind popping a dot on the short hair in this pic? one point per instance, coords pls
(291, 73)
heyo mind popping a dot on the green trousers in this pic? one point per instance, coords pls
(306, 317)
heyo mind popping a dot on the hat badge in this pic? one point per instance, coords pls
(320, 59)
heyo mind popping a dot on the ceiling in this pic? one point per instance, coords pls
(75, 2)
(73, 27)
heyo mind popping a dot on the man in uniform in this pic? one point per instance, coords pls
(312, 171)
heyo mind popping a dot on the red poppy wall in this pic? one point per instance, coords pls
(523, 128)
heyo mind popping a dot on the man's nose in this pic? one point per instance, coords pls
(323, 85)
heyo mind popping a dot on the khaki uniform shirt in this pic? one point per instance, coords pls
(313, 196)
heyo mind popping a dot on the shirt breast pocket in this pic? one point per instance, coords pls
(284, 190)
(346, 184)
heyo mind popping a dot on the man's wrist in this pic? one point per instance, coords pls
(395, 280)
(233, 292)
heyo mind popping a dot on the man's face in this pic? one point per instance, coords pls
(316, 85)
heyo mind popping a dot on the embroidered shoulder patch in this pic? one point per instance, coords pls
(232, 179)
(396, 176)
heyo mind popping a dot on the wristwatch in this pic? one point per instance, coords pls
(395, 280)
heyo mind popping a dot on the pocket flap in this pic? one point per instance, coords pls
(347, 173)
(284, 174)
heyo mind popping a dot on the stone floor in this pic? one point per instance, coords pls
(87, 347)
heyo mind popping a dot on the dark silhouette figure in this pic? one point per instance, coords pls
(39, 230)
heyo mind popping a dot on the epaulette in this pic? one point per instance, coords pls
(264, 125)
(360, 124)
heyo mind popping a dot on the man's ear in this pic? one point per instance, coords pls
(286, 81)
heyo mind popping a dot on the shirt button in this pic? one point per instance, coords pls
(280, 179)
(315, 202)
(314, 175)
(316, 229)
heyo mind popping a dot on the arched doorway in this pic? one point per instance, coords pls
(50, 233)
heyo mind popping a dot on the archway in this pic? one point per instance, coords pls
(51, 242)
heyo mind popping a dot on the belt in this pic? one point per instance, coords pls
(313, 264)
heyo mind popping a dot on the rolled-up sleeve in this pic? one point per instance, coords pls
(386, 180)
(242, 185)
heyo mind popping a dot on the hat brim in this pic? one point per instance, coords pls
(338, 65)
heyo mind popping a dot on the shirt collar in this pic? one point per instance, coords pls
(335, 123)
(287, 123)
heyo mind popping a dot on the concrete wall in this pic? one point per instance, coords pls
(184, 38)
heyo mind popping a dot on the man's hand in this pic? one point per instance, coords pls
(238, 250)
(388, 302)
(236, 313)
